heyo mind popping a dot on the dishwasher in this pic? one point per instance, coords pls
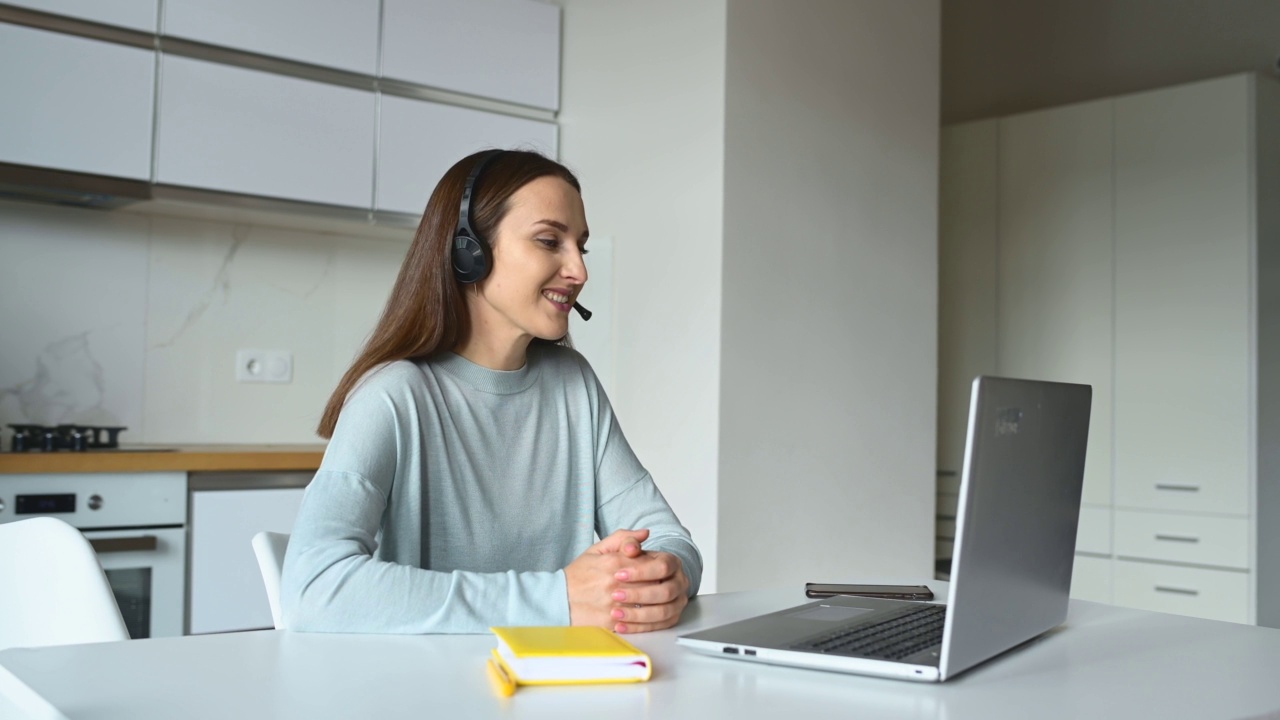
(226, 510)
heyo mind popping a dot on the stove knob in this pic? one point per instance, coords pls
(95, 502)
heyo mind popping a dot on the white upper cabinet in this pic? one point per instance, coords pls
(1054, 262)
(501, 49)
(1183, 298)
(133, 14)
(255, 133)
(334, 33)
(420, 140)
(75, 104)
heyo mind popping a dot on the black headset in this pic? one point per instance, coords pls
(472, 257)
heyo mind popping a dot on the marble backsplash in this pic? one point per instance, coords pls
(117, 318)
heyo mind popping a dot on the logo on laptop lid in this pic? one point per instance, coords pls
(1007, 421)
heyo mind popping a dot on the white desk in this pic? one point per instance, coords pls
(1105, 662)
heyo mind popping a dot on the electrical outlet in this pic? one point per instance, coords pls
(264, 366)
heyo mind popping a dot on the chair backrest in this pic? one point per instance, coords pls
(270, 547)
(52, 588)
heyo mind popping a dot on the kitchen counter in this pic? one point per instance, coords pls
(184, 458)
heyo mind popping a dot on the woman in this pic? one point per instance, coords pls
(474, 457)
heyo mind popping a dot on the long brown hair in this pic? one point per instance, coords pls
(427, 312)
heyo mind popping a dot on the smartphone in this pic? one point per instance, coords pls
(891, 592)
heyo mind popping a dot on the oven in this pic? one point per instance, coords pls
(137, 524)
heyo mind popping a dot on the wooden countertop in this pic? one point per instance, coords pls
(184, 458)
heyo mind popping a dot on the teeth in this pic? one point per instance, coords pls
(557, 297)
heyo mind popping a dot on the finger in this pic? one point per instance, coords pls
(646, 614)
(640, 627)
(655, 566)
(632, 628)
(654, 593)
(619, 538)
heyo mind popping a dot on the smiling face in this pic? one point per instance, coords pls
(537, 273)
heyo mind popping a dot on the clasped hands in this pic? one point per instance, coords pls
(617, 585)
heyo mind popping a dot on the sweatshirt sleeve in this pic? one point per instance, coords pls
(332, 581)
(630, 500)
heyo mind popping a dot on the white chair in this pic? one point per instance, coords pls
(270, 547)
(52, 588)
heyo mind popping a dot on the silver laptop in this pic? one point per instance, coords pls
(1011, 568)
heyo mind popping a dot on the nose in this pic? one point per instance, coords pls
(575, 268)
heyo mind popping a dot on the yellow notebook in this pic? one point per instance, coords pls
(566, 655)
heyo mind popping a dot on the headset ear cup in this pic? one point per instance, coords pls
(470, 261)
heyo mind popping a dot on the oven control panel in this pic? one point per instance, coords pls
(89, 500)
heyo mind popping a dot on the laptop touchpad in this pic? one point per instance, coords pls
(830, 613)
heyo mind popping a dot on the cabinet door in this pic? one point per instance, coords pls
(134, 14)
(243, 131)
(1183, 298)
(226, 586)
(334, 33)
(420, 140)
(966, 278)
(502, 49)
(75, 104)
(1055, 301)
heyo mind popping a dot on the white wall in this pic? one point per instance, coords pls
(829, 329)
(121, 318)
(767, 173)
(642, 123)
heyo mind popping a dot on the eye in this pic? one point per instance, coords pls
(584, 251)
(550, 242)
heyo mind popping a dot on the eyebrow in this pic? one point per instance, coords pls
(562, 227)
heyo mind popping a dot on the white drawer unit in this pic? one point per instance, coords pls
(1189, 539)
(1094, 533)
(1212, 594)
(1091, 579)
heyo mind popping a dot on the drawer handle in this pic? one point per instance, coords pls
(1176, 591)
(1178, 538)
(124, 544)
(1178, 487)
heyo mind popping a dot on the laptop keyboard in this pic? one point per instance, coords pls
(902, 634)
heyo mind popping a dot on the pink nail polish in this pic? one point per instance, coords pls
(620, 628)
(622, 575)
(619, 596)
(617, 613)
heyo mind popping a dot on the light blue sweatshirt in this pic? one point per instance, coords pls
(451, 497)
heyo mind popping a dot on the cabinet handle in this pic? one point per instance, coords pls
(1178, 487)
(1178, 538)
(1176, 591)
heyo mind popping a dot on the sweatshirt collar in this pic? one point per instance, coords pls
(498, 382)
